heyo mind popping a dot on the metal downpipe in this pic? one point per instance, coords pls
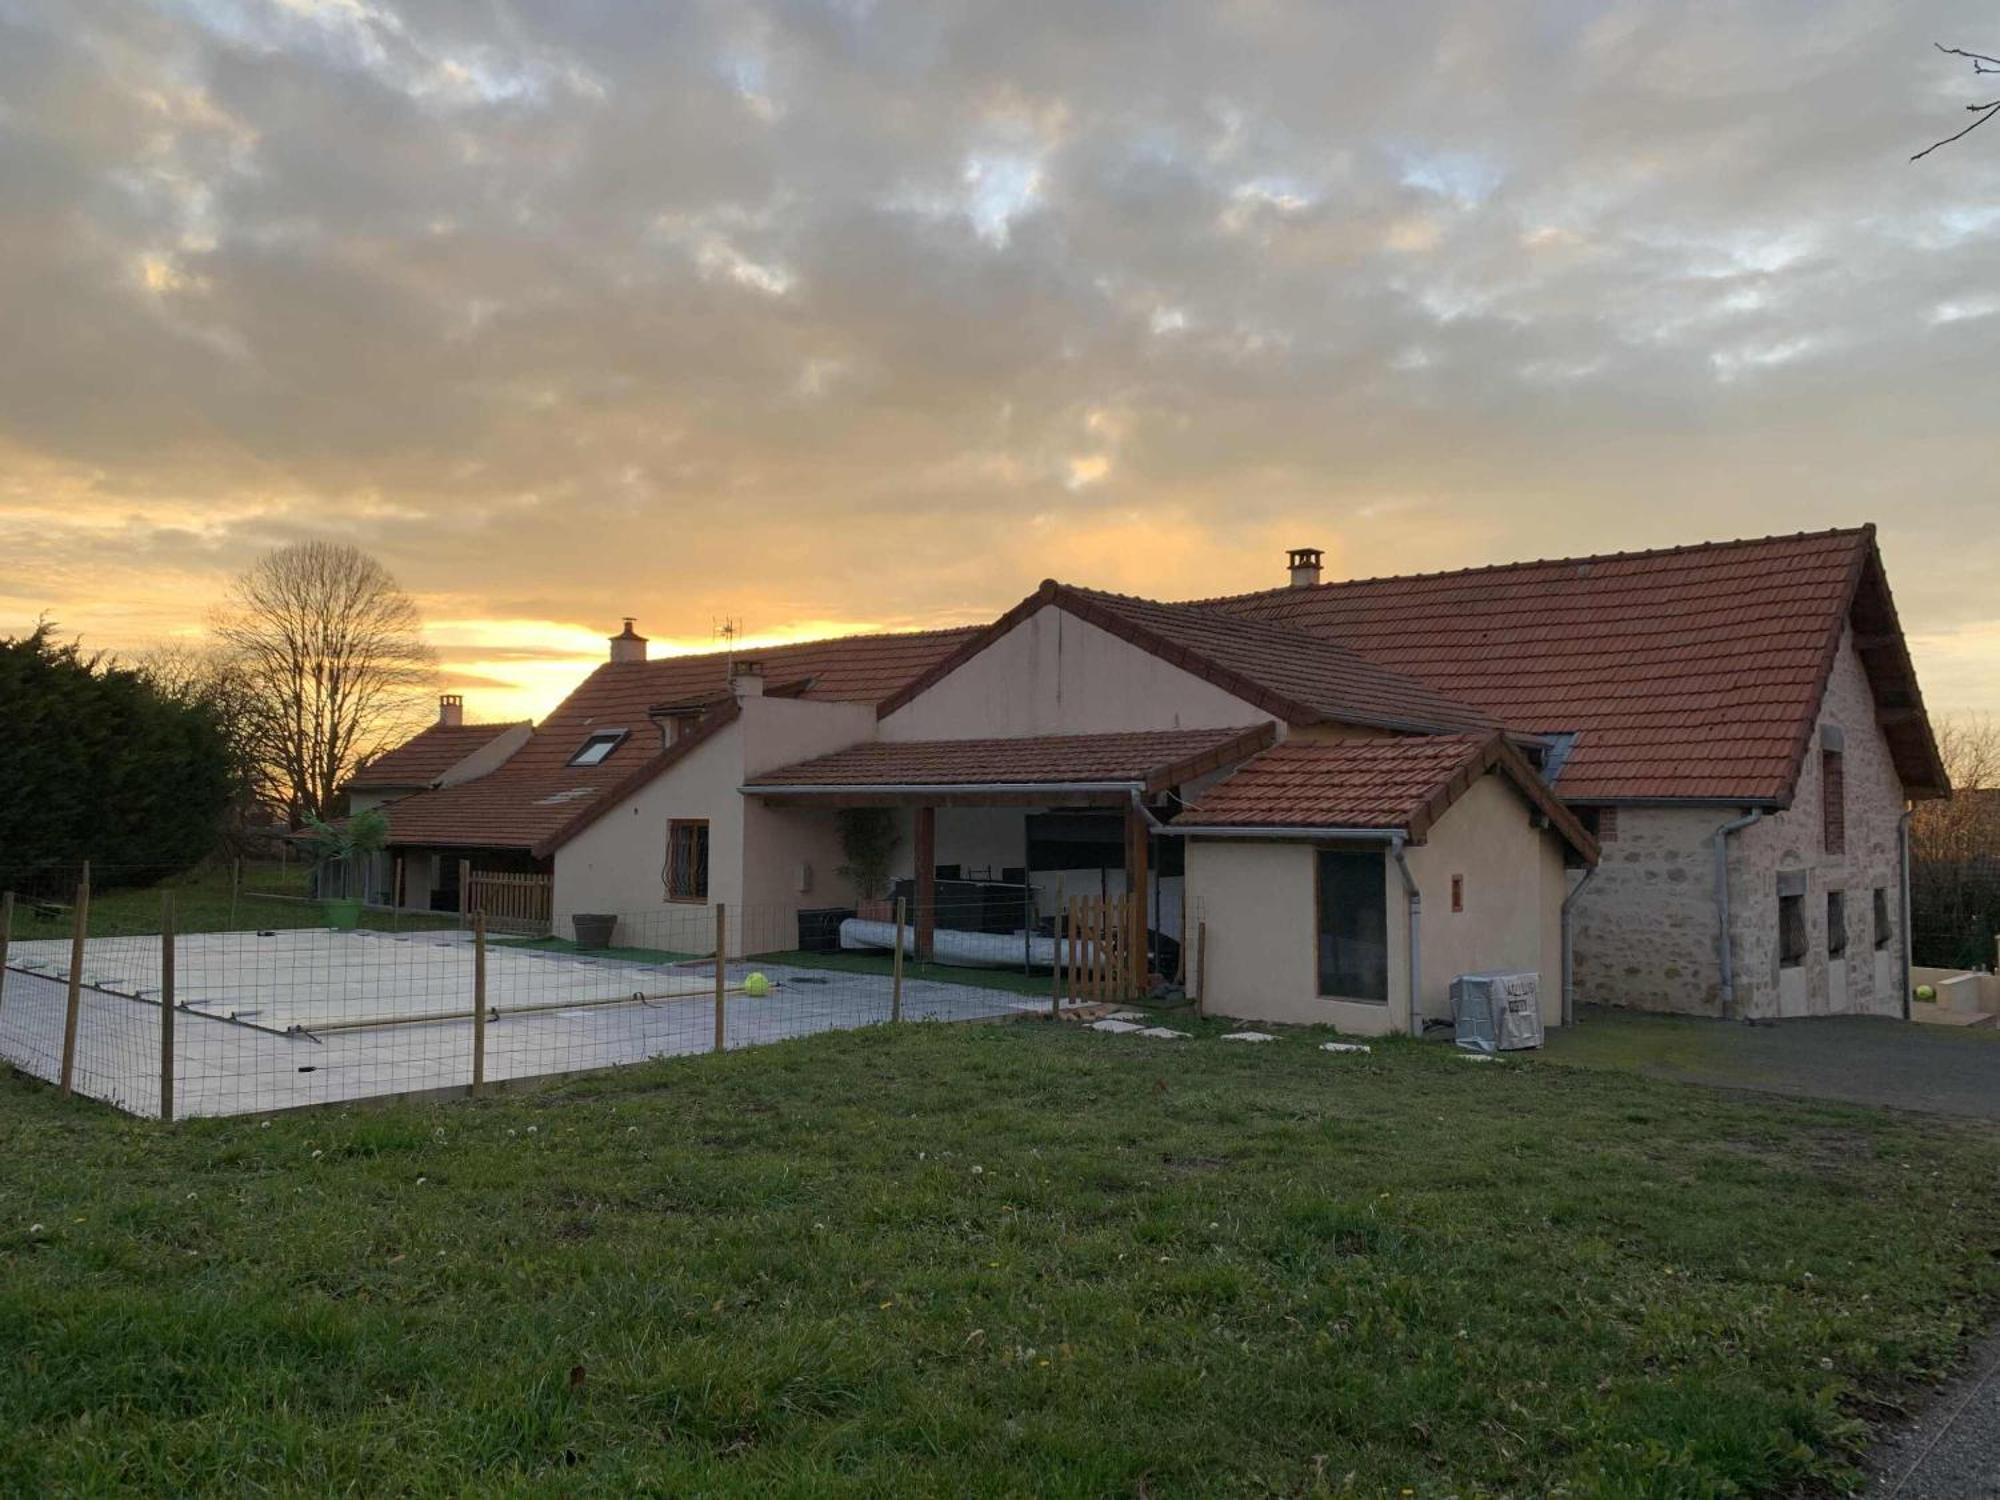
(1568, 947)
(1413, 1022)
(1728, 959)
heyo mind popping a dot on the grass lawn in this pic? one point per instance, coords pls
(985, 1260)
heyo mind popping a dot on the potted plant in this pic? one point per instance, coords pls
(868, 837)
(334, 845)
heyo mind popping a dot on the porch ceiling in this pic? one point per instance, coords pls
(1067, 770)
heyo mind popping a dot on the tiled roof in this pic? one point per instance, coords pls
(1153, 759)
(1402, 782)
(1292, 674)
(1694, 672)
(427, 755)
(537, 796)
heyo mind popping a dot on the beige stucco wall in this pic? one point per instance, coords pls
(1514, 884)
(1646, 928)
(754, 852)
(1055, 674)
(1257, 899)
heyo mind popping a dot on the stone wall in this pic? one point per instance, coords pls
(1645, 930)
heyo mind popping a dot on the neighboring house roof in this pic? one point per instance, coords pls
(1150, 760)
(426, 755)
(1402, 783)
(1692, 672)
(537, 800)
(1292, 674)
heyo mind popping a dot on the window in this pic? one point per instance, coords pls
(1883, 935)
(687, 859)
(1833, 800)
(1836, 923)
(1353, 926)
(1601, 823)
(1791, 931)
(1458, 893)
(597, 749)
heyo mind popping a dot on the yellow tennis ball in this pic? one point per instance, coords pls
(1925, 992)
(756, 986)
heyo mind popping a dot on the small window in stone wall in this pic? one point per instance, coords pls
(1602, 823)
(1836, 923)
(1833, 800)
(1883, 934)
(1791, 931)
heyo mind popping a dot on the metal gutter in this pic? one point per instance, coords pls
(1728, 959)
(1569, 947)
(1239, 831)
(941, 789)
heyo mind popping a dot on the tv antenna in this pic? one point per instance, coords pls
(726, 630)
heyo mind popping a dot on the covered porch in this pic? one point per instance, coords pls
(998, 839)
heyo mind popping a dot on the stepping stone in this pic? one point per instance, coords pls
(1248, 1036)
(1126, 1015)
(1111, 1025)
(1345, 1047)
(1479, 1057)
(1163, 1033)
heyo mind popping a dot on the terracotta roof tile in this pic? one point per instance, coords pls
(427, 755)
(1693, 673)
(1403, 782)
(1143, 757)
(537, 794)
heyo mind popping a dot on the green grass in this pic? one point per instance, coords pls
(987, 1260)
(272, 896)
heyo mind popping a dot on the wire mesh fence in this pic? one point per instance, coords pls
(247, 991)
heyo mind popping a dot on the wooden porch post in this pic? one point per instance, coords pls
(926, 862)
(1137, 893)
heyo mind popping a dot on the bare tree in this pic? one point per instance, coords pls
(1955, 850)
(1981, 63)
(332, 653)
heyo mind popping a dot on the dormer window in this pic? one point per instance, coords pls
(597, 749)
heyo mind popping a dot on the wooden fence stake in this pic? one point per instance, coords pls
(1055, 968)
(80, 925)
(6, 932)
(464, 889)
(235, 888)
(896, 969)
(721, 950)
(1201, 969)
(478, 1002)
(396, 898)
(167, 1007)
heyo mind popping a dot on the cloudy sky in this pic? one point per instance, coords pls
(839, 314)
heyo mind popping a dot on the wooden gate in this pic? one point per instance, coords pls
(1101, 953)
(517, 900)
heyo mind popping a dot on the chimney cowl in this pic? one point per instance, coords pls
(628, 644)
(451, 709)
(1304, 565)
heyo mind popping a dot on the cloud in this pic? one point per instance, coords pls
(878, 313)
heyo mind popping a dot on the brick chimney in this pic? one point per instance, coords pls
(746, 679)
(1304, 563)
(628, 644)
(451, 709)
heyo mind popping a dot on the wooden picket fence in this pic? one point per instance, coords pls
(1101, 955)
(516, 900)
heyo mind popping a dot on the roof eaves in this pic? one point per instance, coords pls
(1250, 742)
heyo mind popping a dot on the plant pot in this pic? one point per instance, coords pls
(593, 930)
(343, 913)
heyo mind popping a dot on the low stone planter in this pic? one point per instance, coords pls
(593, 930)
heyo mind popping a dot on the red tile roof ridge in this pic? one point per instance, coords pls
(1640, 554)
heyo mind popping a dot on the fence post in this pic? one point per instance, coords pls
(1055, 966)
(167, 1007)
(235, 888)
(896, 969)
(80, 925)
(464, 889)
(721, 953)
(396, 898)
(478, 1002)
(1201, 969)
(6, 932)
